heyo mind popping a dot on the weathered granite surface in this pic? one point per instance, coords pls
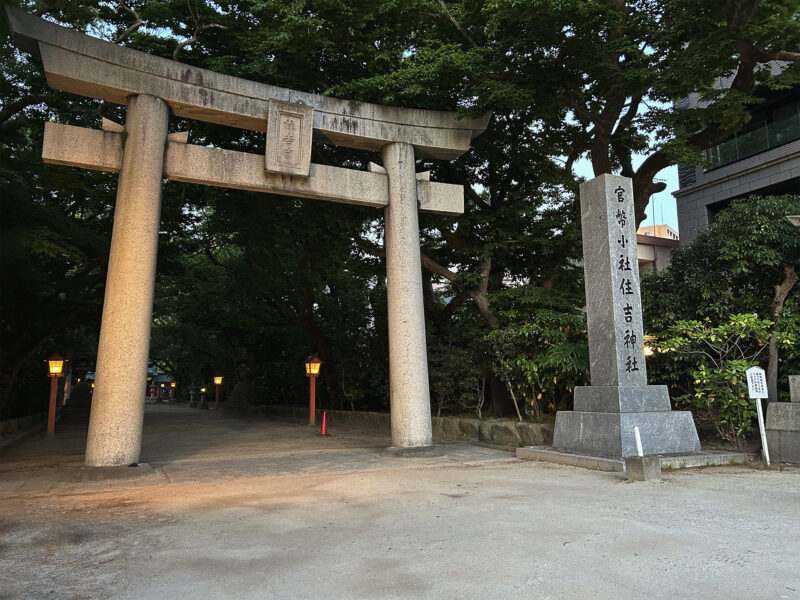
(784, 446)
(794, 388)
(783, 431)
(288, 147)
(783, 416)
(619, 398)
(409, 397)
(92, 67)
(611, 434)
(115, 423)
(152, 87)
(613, 299)
(102, 151)
(611, 398)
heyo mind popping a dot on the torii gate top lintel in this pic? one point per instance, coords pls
(77, 63)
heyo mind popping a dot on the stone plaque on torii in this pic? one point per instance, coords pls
(143, 154)
(619, 398)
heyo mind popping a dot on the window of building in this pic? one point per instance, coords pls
(772, 126)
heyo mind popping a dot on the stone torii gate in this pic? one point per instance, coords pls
(143, 154)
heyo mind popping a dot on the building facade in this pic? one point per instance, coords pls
(654, 244)
(763, 158)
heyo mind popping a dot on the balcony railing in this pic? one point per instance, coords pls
(742, 145)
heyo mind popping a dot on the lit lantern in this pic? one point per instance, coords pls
(217, 383)
(203, 390)
(55, 366)
(313, 364)
(173, 384)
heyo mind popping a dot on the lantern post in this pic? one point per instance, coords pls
(55, 367)
(313, 364)
(217, 385)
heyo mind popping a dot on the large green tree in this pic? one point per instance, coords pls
(598, 78)
(747, 262)
(245, 277)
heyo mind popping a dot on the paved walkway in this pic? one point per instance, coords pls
(233, 508)
(182, 444)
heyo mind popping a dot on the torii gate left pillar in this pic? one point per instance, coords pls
(144, 155)
(115, 424)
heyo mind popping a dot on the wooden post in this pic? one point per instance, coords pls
(312, 400)
(51, 413)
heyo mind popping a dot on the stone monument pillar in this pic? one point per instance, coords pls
(408, 358)
(619, 398)
(115, 425)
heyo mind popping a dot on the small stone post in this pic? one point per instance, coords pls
(408, 358)
(619, 398)
(115, 424)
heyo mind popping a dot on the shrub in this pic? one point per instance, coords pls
(716, 357)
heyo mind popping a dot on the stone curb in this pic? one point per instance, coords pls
(496, 432)
(13, 430)
(414, 452)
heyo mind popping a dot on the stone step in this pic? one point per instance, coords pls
(704, 458)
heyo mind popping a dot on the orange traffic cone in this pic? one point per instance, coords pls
(323, 430)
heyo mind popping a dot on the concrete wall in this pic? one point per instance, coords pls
(499, 432)
(653, 258)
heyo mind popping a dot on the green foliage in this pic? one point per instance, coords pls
(715, 357)
(458, 372)
(252, 284)
(541, 353)
(732, 267)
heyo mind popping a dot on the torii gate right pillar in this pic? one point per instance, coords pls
(408, 360)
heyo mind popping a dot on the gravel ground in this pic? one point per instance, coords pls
(248, 509)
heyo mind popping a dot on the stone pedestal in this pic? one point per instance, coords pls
(794, 388)
(115, 424)
(408, 357)
(619, 398)
(611, 434)
(783, 431)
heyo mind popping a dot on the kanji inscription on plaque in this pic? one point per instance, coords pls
(289, 128)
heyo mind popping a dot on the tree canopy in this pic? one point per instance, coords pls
(250, 284)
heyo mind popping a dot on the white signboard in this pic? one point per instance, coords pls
(757, 386)
(757, 382)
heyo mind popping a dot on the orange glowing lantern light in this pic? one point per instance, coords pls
(217, 383)
(313, 363)
(55, 367)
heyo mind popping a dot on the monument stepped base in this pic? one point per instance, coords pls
(611, 434)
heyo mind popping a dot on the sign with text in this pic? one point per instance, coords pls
(757, 383)
(613, 296)
(289, 129)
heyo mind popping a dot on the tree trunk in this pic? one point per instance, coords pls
(782, 291)
(500, 403)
